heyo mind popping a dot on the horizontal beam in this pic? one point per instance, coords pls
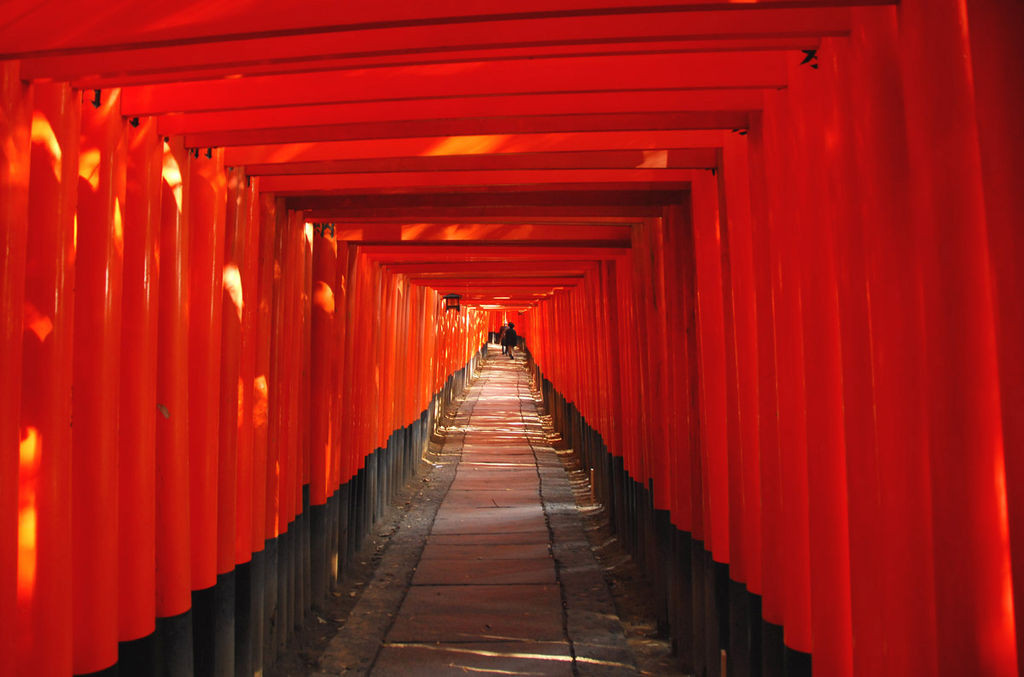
(471, 269)
(501, 124)
(517, 301)
(490, 285)
(516, 212)
(512, 198)
(479, 233)
(505, 221)
(392, 253)
(519, 204)
(472, 145)
(469, 293)
(29, 29)
(684, 158)
(648, 101)
(550, 75)
(510, 38)
(329, 183)
(449, 58)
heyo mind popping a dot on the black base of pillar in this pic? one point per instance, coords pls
(224, 637)
(271, 607)
(318, 563)
(174, 646)
(138, 656)
(797, 663)
(740, 640)
(773, 650)
(304, 563)
(243, 619)
(112, 671)
(204, 631)
(681, 600)
(258, 596)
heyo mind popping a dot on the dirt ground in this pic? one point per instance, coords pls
(630, 590)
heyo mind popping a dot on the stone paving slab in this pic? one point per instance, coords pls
(519, 538)
(488, 484)
(462, 571)
(489, 551)
(442, 613)
(509, 658)
(499, 477)
(480, 523)
(505, 470)
(492, 447)
(501, 462)
(499, 498)
(486, 510)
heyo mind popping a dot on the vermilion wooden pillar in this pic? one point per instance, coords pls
(657, 357)
(321, 403)
(711, 343)
(823, 210)
(848, 91)
(772, 556)
(137, 470)
(789, 357)
(288, 446)
(265, 222)
(679, 264)
(44, 495)
(307, 339)
(743, 300)
(628, 360)
(341, 310)
(276, 390)
(206, 279)
(236, 256)
(263, 383)
(245, 539)
(291, 498)
(996, 60)
(973, 579)
(15, 148)
(323, 335)
(348, 377)
(730, 387)
(97, 345)
(904, 605)
(173, 549)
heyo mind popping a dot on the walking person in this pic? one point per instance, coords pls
(501, 338)
(508, 341)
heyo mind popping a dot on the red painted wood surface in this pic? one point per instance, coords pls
(173, 514)
(138, 410)
(99, 261)
(206, 205)
(44, 539)
(231, 388)
(16, 135)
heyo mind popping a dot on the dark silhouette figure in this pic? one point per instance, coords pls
(501, 338)
(508, 341)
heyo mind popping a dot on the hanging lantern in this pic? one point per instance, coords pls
(451, 302)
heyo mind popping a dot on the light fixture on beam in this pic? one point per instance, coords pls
(451, 302)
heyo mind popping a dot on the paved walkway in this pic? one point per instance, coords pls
(497, 577)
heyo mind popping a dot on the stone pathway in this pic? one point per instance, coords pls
(497, 576)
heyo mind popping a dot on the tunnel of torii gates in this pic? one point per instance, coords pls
(765, 257)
